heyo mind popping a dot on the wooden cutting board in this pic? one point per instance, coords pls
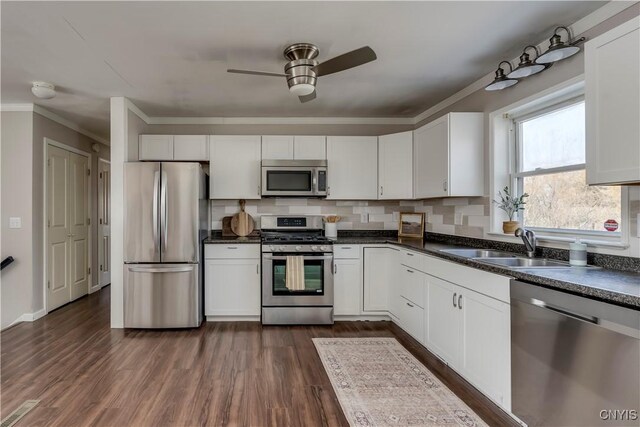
(242, 223)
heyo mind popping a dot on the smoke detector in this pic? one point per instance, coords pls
(43, 90)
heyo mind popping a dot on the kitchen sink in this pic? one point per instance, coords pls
(478, 253)
(519, 262)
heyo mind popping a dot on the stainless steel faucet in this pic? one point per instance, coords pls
(529, 239)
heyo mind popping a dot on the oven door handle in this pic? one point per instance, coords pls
(313, 257)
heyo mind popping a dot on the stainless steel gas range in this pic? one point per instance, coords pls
(297, 271)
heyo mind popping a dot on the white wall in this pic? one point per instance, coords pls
(16, 152)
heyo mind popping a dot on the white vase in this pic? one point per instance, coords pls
(331, 230)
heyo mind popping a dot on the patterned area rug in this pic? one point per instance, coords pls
(379, 383)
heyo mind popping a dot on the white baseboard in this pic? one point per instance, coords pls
(95, 288)
(27, 317)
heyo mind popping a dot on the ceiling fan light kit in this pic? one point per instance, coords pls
(302, 70)
(558, 50)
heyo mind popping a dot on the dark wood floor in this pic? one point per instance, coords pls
(233, 374)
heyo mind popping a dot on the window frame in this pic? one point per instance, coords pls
(517, 177)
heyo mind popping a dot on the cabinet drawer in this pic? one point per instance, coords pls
(231, 251)
(412, 259)
(346, 251)
(412, 319)
(412, 285)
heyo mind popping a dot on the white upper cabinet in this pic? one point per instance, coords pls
(277, 147)
(612, 85)
(155, 147)
(449, 156)
(287, 147)
(193, 148)
(395, 166)
(352, 167)
(310, 147)
(234, 170)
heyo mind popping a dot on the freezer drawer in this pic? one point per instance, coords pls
(162, 296)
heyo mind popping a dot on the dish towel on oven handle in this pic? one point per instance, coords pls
(295, 273)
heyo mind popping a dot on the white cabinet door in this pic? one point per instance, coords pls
(232, 287)
(431, 159)
(310, 148)
(412, 319)
(352, 163)
(192, 148)
(612, 67)
(395, 166)
(234, 169)
(443, 321)
(347, 283)
(485, 339)
(277, 147)
(377, 263)
(155, 147)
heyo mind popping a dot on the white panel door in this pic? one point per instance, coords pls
(191, 148)
(155, 147)
(395, 166)
(352, 167)
(443, 320)
(485, 338)
(78, 225)
(431, 159)
(58, 231)
(612, 85)
(277, 147)
(104, 222)
(377, 267)
(232, 287)
(347, 283)
(234, 168)
(310, 147)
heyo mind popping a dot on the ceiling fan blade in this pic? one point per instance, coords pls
(308, 98)
(346, 61)
(256, 73)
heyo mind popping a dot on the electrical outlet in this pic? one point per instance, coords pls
(457, 218)
(364, 218)
(15, 222)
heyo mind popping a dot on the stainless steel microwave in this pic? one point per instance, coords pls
(299, 178)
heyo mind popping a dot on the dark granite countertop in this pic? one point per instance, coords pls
(613, 286)
(216, 238)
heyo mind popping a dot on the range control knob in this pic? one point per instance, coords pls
(298, 248)
(314, 248)
(323, 248)
(282, 248)
(272, 248)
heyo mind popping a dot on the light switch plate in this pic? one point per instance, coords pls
(15, 222)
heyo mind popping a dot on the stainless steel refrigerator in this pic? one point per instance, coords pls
(165, 215)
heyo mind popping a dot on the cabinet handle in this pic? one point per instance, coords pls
(346, 247)
(328, 190)
(232, 247)
(444, 185)
(410, 271)
(335, 268)
(454, 299)
(258, 190)
(381, 190)
(409, 254)
(257, 268)
(410, 305)
(460, 302)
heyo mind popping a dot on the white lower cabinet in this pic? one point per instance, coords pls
(443, 321)
(232, 285)
(347, 280)
(377, 268)
(411, 318)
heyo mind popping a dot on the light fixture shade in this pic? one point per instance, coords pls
(559, 50)
(302, 89)
(526, 67)
(43, 90)
(501, 81)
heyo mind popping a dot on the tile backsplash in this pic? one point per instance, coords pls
(441, 214)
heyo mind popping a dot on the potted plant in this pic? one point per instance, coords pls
(511, 205)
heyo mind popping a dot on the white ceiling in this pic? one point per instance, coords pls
(170, 58)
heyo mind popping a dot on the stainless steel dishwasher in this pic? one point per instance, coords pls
(575, 361)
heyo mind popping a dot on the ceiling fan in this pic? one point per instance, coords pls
(302, 70)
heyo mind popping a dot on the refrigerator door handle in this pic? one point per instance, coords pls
(164, 221)
(156, 185)
(160, 269)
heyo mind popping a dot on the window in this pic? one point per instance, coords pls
(550, 167)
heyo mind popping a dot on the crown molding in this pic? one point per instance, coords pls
(16, 107)
(594, 18)
(280, 120)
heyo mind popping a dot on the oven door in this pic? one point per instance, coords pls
(318, 281)
(293, 181)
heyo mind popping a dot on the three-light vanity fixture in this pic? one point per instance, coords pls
(558, 50)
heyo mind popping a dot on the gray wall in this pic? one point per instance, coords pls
(16, 151)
